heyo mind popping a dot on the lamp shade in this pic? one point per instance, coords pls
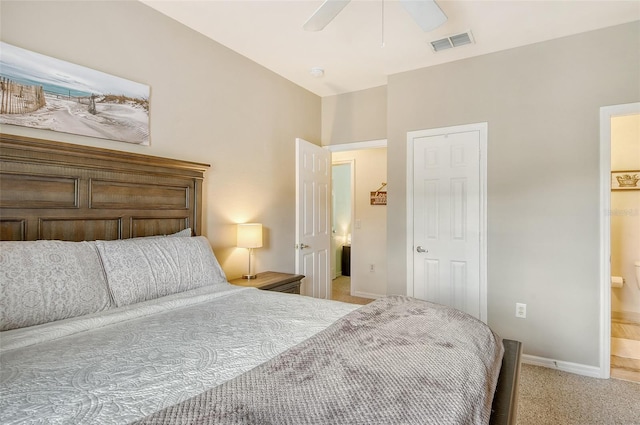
(249, 235)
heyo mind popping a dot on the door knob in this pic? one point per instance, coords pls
(301, 246)
(421, 249)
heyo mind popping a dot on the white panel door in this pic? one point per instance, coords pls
(313, 220)
(446, 220)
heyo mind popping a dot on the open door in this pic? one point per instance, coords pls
(313, 221)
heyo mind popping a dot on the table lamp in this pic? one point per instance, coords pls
(249, 236)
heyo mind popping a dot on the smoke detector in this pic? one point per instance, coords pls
(317, 72)
(452, 41)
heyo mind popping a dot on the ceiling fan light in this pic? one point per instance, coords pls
(426, 13)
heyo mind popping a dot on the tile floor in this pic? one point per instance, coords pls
(625, 350)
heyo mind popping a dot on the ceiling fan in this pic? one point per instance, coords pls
(426, 13)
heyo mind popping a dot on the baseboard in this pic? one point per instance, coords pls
(578, 369)
(366, 295)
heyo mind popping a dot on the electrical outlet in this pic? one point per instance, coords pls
(372, 268)
(521, 310)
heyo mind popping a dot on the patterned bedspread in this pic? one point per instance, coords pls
(118, 366)
(395, 361)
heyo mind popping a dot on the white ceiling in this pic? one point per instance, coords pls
(350, 47)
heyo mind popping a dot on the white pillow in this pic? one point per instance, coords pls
(142, 269)
(182, 233)
(45, 281)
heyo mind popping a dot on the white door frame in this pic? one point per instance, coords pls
(369, 144)
(606, 113)
(482, 128)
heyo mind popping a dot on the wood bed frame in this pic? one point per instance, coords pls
(504, 410)
(53, 190)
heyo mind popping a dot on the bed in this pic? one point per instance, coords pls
(115, 310)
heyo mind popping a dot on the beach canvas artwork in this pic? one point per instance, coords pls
(42, 92)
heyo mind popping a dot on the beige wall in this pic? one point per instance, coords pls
(208, 104)
(542, 104)
(355, 117)
(625, 214)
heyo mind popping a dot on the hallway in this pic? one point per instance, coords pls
(341, 291)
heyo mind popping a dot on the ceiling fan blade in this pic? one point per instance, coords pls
(325, 14)
(426, 13)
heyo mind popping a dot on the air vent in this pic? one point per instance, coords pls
(452, 41)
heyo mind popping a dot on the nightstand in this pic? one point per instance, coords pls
(273, 281)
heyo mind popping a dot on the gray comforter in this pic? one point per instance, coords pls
(396, 361)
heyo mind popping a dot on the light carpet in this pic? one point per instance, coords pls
(549, 396)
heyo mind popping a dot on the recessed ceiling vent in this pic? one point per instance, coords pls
(452, 41)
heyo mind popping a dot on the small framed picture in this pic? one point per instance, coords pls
(625, 180)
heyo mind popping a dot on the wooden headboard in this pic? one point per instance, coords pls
(53, 190)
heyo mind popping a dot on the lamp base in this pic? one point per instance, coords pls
(249, 276)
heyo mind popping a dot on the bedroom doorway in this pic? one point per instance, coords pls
(446, 223)
(358, 228)
(619, 327)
